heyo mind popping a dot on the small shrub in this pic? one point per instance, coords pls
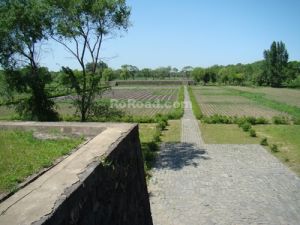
(274, 148)
(296, 121)
(251, 120)
(162, 121)
(264, 142)
(246, 126)
(280, 120)
(261, 120)
(156, 137)
(218, 119)
(252, 133)
(286, 159)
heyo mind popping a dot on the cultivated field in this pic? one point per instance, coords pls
(220, 100)
(283, 95)
(143, 101)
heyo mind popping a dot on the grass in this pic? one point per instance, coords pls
(150, 138)
(22, 155)
(287, 138)
(151, 135)
(195, 106)
(225, 134)
(147, 132)
(172, 133)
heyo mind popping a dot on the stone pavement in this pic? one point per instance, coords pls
(194, 183)
(190, 131)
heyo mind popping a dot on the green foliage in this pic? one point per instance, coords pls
(162, 121)
(252, 120)
(252, 132)
(195, 106)
(264, 142)
(280, 120)
(276, 61)
(246, 126)
(296, 121)
(274, 148)
(80, 27)
(150, 139)
(222, 119)
(108, 74)
(24, 25)
(216, 118)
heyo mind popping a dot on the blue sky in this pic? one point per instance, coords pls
(196, 33)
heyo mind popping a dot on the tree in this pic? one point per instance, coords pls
(24, 25)
(174, 72)
(80, 27)
(186, 71)
(146, 73)
(276, 59)
(130, 71)
(108, 74)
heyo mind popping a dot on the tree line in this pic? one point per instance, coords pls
(275, 71)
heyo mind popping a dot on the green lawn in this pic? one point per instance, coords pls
(22, 155)
(147, 131)
(225, 134)
(149, 137)
(287, 138)
(172, 133)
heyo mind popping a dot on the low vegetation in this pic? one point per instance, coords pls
(172, 133)
(21, 155)
(225, 134)
(195, 106)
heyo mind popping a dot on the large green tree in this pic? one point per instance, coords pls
(276, 60)
(81, 26)
(24, 26)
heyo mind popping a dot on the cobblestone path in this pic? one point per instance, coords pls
(190, 131)
(194, 183)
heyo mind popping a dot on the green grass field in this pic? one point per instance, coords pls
(225, 134)
(21, 155)
(172, 133)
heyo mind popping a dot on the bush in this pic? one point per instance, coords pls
(296, 121)
(264, 142)
(261, 120)
(246, 126)
(162, 121)
(252, 133)
(252, 120)
(274, 148)
(216, 118)
(280, 120)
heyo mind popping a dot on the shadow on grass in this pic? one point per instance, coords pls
(175, 156)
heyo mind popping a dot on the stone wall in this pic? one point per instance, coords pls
(108, 191)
